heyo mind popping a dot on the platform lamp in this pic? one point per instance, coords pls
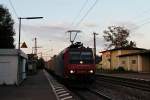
(20, 18)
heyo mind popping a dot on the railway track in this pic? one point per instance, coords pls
(137, 84)
(101, 94)
(89, 94)
(114, 88)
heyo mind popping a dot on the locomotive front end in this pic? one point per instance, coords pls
(80, 64)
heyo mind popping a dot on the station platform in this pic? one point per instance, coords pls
(135, 76)
(35, 87)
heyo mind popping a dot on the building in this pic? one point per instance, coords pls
(135, 59)
(12, 66)
(32, 64)
(139, 61)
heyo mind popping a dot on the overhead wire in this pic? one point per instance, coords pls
(141, 14)
(140, 25)
(78, 15)
(85, 15)
(11, 4)
(143, 22)
(80, 21)
(83, 6)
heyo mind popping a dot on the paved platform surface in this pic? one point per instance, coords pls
(35, 87)
(137, 76)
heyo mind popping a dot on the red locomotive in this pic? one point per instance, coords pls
(74, 62)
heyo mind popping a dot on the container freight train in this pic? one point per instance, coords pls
(74, 63)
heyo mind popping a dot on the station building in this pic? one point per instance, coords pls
(131, 59)
(32, 63)
(12, 66)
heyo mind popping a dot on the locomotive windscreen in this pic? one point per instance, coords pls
(77, 56)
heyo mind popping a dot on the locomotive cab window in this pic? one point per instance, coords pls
(74, 55)
(86, 55)
(77, 56)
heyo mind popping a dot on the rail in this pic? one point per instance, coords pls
(133, 83)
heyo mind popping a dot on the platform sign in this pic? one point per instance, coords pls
(24, 45)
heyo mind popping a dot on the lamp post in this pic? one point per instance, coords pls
(95, 45)
(20, 27)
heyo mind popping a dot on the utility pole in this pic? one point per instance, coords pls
(95, 44)
(41, 54)
(35, 46)
(73, 31)
(19, 33)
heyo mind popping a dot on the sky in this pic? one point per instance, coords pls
(63, 15)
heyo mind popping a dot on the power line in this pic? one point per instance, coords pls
(83, 6)
(141, 25)
(13, 8)
(141, 14)
(87, 13)
(143, 22)
(48, 51)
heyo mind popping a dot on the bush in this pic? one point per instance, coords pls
(116, 70)
(120, 69)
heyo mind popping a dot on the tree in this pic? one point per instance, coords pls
(40, 63)
(116, 37)
(6, 29)
(132, 44)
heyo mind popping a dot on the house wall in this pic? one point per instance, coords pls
(133, 63)
(10, 72)
(105, 63)
(138, 63)
(129, 62)
(115, 61)
(145, 63)
(8, 69)
(141, 64)
(124, 62)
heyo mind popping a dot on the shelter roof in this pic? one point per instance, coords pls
(123, 48)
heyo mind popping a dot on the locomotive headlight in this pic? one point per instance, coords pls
(71, 71)
(81, 62)
(91, 71)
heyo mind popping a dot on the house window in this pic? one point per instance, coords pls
(133, 61)
(123, 62)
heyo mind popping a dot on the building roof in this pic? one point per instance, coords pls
(144, 52)
(123, 48)
(32, 56)
(12, 52)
